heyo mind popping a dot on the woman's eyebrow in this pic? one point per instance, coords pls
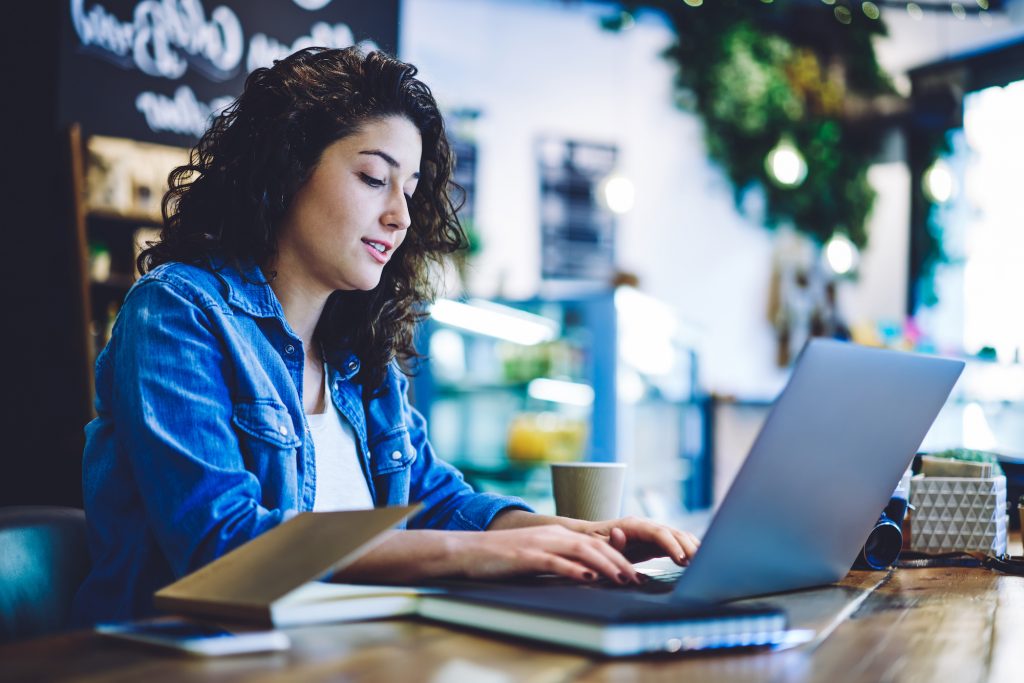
(388, 158)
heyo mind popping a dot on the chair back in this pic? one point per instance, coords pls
(44, 558)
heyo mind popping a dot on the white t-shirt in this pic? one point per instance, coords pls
(340, 482)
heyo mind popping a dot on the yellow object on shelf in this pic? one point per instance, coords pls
(546, 436)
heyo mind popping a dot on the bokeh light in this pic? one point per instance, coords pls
(785, 164)
(841, 255)
(938, 182)
(617, 193)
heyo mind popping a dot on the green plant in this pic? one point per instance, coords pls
(757, 73)
(971, 455)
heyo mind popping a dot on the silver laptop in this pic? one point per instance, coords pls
(825, 463)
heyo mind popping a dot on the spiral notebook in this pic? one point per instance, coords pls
(609, 623)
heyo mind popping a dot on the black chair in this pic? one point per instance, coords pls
(43, 560)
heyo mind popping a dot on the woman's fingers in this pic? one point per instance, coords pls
(594, 553)
(688, 544)
(549, 563)
(662, 536)
(618, 539)
(679, 545)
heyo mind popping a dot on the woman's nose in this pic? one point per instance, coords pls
(397, 214)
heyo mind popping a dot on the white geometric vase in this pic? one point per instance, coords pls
(958, 513)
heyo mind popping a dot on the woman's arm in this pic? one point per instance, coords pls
(172, 411)
(411, 556)
(519, 542)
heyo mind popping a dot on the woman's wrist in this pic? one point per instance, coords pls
(518, 519)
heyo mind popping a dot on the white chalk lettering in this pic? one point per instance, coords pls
(263, 49)
(184, 114)
(164, 36)
(312, 5)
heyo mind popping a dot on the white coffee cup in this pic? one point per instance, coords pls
(588, 490)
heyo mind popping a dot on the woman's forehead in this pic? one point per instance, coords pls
(395, 140)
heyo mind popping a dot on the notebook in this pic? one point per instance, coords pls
(613, 624)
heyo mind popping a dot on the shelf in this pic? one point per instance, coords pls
(134, 219)
(509, 470)
(465, 389)
(116, 283)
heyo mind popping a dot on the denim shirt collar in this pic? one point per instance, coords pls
(248, 288)
(249, 291)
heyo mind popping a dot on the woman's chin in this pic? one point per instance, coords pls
(360, 284)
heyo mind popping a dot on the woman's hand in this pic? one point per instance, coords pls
(519, 543)
(641, 539)
(634, 538)
(548, 549)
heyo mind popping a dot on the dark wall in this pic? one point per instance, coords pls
(52, 78)
(39, 458)
(151, 70)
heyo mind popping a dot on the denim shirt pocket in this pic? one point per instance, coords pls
(269, 448)
(391, 459)
(391, 451)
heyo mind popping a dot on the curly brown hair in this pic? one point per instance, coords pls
(229, 200)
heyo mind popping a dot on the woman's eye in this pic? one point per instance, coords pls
(371, 181)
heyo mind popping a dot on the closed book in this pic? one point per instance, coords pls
(272, 579)
(606, 621)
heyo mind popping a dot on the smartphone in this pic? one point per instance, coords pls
(193, 637)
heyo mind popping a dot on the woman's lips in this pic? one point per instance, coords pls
(379, 256)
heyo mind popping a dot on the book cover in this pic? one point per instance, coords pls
(607, 621)
(255, 582)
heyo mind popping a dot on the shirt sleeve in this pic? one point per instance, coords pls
(172, 413)
(448, 501)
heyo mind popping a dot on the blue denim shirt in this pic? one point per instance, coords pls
(201, 441)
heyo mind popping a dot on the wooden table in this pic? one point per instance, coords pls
(959, 624)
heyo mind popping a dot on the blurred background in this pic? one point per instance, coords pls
(664, 200)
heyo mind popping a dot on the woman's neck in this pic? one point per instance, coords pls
(302, 302)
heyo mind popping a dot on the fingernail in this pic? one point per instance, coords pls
(623, 578)
(590, 576)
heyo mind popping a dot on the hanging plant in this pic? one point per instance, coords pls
(795, 78)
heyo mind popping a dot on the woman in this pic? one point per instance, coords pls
(252, 370)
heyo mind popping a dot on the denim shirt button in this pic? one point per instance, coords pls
(289, 349)
(352, 365)
(283, 430)
(397, 455)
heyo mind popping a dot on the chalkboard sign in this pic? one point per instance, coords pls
(155, 70)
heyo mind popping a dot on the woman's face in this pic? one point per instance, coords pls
(347, 220)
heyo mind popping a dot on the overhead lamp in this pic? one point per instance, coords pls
(561, 391)
(785, 165)
(494, 320)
